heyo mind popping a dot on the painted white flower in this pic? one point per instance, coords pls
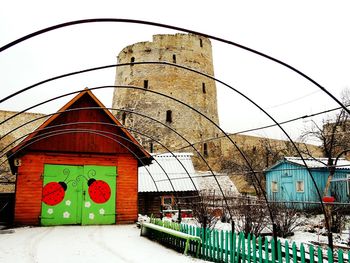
(87, 204)
(50, 211)
(66, 214)
(102, 211)
(91, 216)
(68, 202)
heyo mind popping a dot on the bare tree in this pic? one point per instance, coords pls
(205, 209)
(333, 136)
(335, 141)
(250, 215)
(259, 157)
(287, 218)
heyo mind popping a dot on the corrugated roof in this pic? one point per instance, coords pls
(206, 181)
(165, 165)
(319, 162)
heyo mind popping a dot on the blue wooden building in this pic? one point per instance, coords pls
(288, 180)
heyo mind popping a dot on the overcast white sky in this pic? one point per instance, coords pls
(312, 36)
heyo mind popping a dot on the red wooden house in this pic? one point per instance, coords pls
(79, 167)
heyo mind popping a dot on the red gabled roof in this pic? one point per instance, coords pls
(143, 154)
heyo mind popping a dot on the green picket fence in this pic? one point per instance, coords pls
(228, 247)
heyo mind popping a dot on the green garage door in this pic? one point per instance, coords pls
(78, 195)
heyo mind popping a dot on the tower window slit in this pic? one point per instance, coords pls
(174, 58)
(200, 42)
(205, 150)
(145, 84)
(132, 60)
(123, 118)
(169, 116)
(204, 88)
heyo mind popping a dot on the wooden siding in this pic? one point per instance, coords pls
(127, 190)
(339, 189)
(86, 142)
(29, 183)
(287, 174)
(150, 202)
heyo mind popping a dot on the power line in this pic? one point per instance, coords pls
(266, 126)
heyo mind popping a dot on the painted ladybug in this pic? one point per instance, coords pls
(53, 193)
(99, 191)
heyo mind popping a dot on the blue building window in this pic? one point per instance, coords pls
(274, 186)
(299, 187)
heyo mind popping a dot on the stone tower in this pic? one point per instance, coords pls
(189, 87)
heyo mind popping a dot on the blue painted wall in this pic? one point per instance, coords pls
(287, 174)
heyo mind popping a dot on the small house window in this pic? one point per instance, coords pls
(167, 200)
(274, 186)
(174, 59)
(169, 117)
(299, 187)
(200, 42)
(205, 150)
(145, 84)
(203, 88)
(123, 118)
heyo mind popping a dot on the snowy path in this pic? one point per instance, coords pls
(121, 243)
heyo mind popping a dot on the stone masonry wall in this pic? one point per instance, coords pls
(193, 89)
(8, 141)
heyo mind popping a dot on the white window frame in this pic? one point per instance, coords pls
(274, 186)
(348, 184)
(302, 188)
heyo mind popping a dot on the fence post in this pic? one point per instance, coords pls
(312, 254)
(243, 247)
(330, 255)
(211, 247)
(319, 255)
(239, 247)
(274, 237)
(254, 248)
(248, 247)
(232, 247)
(266, 251)
(279, 251)
(260, 250)
(273, 250)
(286, 251)
(340, 256)
(214, 245)
(226, 246)
(295, 253)
(222, 245)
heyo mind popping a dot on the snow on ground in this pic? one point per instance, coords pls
(115, 243)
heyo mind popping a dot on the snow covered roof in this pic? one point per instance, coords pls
(318, 162)
(206, 181)
(178, 169)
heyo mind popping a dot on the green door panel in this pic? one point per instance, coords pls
(78, 195)
(99, 195)
(65, 209)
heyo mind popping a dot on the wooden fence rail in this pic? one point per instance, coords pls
(228, 247)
